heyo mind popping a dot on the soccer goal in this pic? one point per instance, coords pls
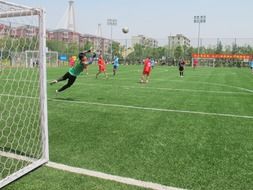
(23, 98)
(203, 62)
(32, 61)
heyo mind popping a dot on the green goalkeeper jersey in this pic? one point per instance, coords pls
(77, 69)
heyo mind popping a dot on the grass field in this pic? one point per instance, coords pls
(194, 132)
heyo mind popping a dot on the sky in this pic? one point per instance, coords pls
(154, 18)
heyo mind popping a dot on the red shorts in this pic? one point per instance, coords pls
(102, 68)
(146, 72)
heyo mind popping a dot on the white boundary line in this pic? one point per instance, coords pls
(124, 180)
(171, 89)
(91, 173)
(154, 109)
(216, 84)
(140, 108)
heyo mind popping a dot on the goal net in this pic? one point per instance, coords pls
(203, 62)
(23, 105)
(30, 59)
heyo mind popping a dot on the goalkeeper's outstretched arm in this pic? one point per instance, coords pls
(87, 51)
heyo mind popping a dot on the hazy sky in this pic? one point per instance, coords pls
(155, 18)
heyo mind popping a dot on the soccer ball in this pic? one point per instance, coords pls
(125, 30)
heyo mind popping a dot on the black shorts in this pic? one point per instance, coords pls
(71, 80)
(69, 76)
(181, 68)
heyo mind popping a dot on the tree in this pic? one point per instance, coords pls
(234, 48)
(73, 49)
(219, 48)
(188, 53)
(228, 49)
(178, 52)
(87, 45)
(116, 49)
(55, 45)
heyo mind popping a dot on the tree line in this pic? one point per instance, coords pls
(165, 54)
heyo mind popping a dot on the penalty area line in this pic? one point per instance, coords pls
(154, 109)
(138, 108)
(119, 179)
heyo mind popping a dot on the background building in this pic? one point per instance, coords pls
(145, 41)
(64, 35)
(179, 40)
(99, 43)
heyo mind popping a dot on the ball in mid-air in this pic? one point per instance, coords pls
(125, 30)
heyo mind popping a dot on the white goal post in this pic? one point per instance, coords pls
(23, 93)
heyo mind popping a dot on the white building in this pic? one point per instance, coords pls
(145, 41)
(179, 40)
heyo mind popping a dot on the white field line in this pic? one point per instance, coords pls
(169, 89)
(100, 175)
(139, 108)
(248, 91)
(124, 180)
(209, 83)
(216, 84)
(169, 79)
(154, 109)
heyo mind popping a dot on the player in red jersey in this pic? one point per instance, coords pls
(195, 63)
(101, 67)
(146, 70)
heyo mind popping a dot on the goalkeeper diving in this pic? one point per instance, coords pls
(75, 71)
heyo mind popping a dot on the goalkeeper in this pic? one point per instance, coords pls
(73, 72)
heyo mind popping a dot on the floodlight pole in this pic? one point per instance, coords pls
(111, 22)
(169, 49)
(199, 20)
(198, 39)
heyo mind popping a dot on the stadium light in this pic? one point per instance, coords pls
(111, 22)
(199, 20)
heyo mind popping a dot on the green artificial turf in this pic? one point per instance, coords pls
(104, 125)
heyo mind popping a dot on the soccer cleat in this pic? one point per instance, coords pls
(53, 82)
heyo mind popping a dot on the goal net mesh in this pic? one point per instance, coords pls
(22, 137)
